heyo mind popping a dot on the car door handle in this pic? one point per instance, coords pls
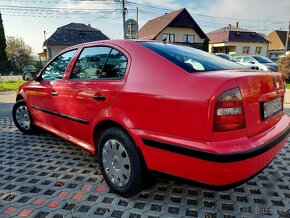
(54, 93)
(99, 97)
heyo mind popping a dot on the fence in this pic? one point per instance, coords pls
(14, 68)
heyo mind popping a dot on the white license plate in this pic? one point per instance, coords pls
(270, 108)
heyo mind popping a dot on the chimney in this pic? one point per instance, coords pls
(237, 24)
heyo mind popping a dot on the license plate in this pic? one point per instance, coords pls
(270, 108)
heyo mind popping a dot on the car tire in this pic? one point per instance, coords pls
(22, 118)
(120, 162)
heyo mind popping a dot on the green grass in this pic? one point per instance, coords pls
(287, 84)
(10, 85)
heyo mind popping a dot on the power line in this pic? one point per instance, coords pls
(63, 2)
(55, 8)
(202, 15)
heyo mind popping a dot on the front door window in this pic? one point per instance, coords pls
(56, 69)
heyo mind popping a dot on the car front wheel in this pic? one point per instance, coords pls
(22, 118)
(120, 162)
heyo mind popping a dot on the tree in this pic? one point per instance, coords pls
(284, 66)
(3, 56)
(18, 52)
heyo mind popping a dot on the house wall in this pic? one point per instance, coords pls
(179, 33)
(53, 50)
(239, 47)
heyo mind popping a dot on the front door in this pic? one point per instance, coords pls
(43, 93)
(91, 88)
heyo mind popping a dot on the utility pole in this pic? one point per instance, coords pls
(287, 38)
(137, 15)
(137, 19)
(124, 10)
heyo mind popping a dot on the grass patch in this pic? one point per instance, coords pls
(10, 85)
(287, 84)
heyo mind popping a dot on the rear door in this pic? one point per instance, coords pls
(90, 89)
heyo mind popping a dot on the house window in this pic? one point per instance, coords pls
(258, 50)
(188, 38)
(169, 37)
(246, 50)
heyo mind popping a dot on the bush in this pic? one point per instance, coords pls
(284, 66)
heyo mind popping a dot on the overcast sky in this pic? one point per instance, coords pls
(30, 18)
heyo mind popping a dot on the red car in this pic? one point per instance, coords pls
(145, 105)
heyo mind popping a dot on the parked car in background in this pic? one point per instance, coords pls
(29, 68)
(147, 105)
(233, 59)
(256, 61)
(226, 56)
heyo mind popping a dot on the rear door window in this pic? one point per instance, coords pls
(99, 63)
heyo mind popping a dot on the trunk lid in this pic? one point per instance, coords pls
(257, 89)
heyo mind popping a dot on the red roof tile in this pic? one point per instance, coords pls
(179, 18)
(277, 40)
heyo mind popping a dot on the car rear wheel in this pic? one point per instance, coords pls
(22, 118)
(120, 162)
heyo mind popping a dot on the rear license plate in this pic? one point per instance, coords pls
(270, 108)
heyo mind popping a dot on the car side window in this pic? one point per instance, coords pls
(115, 66)
(56, 69)
(99, 63)
(90, 63)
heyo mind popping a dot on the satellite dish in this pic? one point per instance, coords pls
(131, 29)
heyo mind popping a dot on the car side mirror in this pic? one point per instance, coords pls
(28, 76)
(252, 62)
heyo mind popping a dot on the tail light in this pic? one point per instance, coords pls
(228, 114)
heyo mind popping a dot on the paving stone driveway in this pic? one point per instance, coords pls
(45, 176)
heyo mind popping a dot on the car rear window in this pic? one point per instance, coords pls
(191, 59)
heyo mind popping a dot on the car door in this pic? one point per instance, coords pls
(43, 93)
(91, 88)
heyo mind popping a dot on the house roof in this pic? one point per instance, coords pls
(74, 33)
(234, 34)
(277, 40)
(179, 18)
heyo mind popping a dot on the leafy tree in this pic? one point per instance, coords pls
(284, 66)
(3, 56)
(18, 52)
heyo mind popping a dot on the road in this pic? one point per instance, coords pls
(7, 99)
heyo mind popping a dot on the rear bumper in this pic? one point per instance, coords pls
(214, 163)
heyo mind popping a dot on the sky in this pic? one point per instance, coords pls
(30, 18)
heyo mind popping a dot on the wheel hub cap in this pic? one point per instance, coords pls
(116, 163)
(23, 118)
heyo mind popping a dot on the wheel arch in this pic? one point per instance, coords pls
(19, 97)
(105, 124)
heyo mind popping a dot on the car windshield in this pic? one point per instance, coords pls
(191, 59)
(262, 60)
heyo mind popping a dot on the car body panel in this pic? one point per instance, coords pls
(160, 104)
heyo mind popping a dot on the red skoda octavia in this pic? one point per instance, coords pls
(144, 105)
